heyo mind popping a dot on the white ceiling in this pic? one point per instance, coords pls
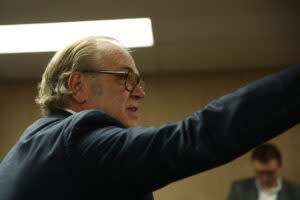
(190, 35)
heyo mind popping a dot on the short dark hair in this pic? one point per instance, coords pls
(266, 152)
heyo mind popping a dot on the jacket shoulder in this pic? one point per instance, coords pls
(291, 186)
(96, 116)
(248, 182)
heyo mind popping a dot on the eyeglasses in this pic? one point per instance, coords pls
(265, 172)
(131, 79)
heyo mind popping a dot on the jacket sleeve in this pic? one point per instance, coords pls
(147, 158)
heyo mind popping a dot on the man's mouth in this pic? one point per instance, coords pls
(134, 109)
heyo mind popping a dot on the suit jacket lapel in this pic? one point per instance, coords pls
(253, 194)
(282, 194)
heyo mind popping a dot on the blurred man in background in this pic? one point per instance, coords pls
(268, 184)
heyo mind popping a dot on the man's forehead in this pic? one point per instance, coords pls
(115, 57)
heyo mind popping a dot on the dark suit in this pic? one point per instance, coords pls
(91, 155)
(247, 190)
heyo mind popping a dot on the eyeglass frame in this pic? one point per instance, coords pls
(139, 81)
(266, 172)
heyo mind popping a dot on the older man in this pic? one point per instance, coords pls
(90, 147)
(268, 184)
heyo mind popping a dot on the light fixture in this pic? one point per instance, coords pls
(46, 37)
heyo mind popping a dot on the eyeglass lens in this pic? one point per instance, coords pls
(266, 172)
(132, 81)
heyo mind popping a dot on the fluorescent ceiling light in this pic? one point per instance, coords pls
(55, 36)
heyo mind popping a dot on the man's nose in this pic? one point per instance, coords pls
(138, 92)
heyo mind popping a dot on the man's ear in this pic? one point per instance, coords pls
(76, 86)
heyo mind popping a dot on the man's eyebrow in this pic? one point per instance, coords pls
(128, 68)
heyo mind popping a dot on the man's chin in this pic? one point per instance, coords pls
(131, 123)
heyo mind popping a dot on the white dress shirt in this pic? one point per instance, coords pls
(270, 195)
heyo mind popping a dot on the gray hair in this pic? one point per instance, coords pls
(53, 91)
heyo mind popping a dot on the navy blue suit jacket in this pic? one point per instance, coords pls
(91, 155)
(246, 190)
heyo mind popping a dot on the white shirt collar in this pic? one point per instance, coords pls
(273, 190)
(69, 110)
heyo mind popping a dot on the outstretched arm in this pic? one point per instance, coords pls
(147, 158)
